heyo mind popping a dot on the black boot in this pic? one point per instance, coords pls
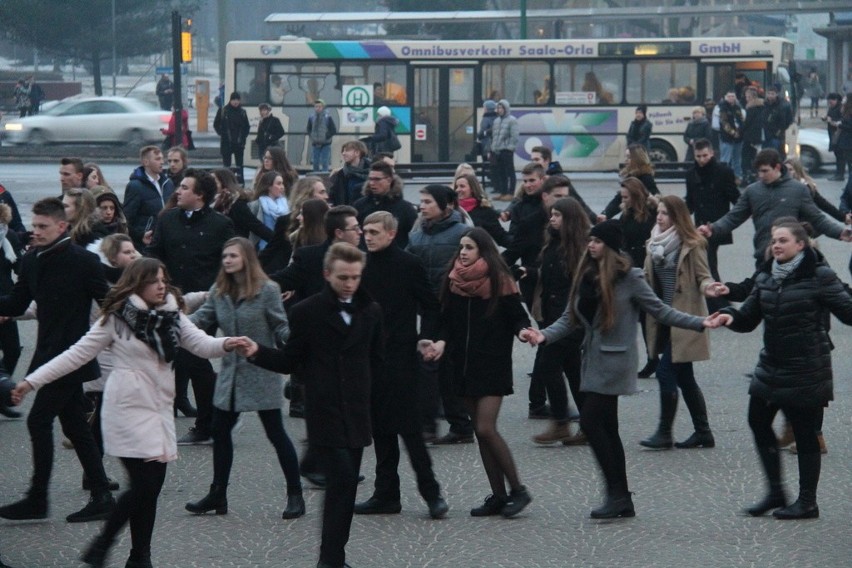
(614, 507)
(805, 506)
(96, 553)
(216, 500)
(182, 403)
(31, 507)
(662, 438)
(649, 369)
(139, 559)
(776, 498)
(295, 506)
(702, 437)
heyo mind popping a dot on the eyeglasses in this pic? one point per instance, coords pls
(377, 178)
(356, 228)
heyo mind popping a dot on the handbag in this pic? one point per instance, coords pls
(190, 144)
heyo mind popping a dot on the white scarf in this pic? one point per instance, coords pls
(663, 246)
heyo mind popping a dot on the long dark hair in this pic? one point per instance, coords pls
(280, 164)
(573, 236)
(498, 271)
(602, 273)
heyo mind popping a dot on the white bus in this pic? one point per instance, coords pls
(576, 96)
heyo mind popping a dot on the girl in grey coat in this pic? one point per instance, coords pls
(605, 300)
(244, 298)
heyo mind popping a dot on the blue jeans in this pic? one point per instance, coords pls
(673, 375)
(321, 157)
(732, 155)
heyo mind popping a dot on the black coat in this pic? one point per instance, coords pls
(488, 219)
(526, 230)
(479, 346)
(636, 234)
(554, 281)
(142, 203)
(397, 281)
(753, 124)
(710, 192)
(63, 279)
(614, 206)
(269, 132)
(337, 363)
(232, 125)
(245, 222)
(304, 274)
(191, 248)
(403, 211)
(794, 367)
(345, 184)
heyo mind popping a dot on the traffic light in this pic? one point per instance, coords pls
(186, 41)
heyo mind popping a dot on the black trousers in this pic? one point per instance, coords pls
(203, 378)
(66, 402)
(10, 344)
(806, 422)
(551, 360)
(440, 374)
(341, 467)
(387, 465)
(503, 175)
(138, 505)
(599, 421)
(228, 150)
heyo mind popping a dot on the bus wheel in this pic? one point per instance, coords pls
(662, 151)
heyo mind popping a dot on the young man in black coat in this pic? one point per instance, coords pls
(145, 195)
(189, 239)
(397, 281)
(63, 279)
(232, 126)
(336, 343)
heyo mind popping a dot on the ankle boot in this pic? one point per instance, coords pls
(614, 507)
(216, 500)
(295, 506)
(182, 403)
(649, 369)
(662, 438)
(776, 497)
(556, 432)
(96, 553)
(703, 436)
(805, 506)
(138, 560)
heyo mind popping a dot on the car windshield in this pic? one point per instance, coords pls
(59, 108)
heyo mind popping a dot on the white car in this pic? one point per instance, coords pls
(813, 149)
(91, 120)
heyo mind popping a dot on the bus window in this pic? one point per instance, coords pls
(520, 83)
(658, 81)
(252, 82)
(304, 83)
(602, 79)
(388, 81)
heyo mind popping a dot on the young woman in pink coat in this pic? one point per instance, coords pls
(143, 325)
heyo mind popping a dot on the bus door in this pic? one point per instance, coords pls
(720, 76)
(444, 113)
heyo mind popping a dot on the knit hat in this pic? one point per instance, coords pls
(383, 111)
(610, 233)
(442, 194)
(490, 105)
(235, 96)
(643, 109)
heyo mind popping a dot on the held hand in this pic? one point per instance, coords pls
(505, 215)
(532, 336)
(438, 350)
(601, 218)
(706, 230)
(146, 238)
(717, 320)
(846, 235)
(431, 350)
(285, 297)
(716, 289)
(20, 391)
(245, 346)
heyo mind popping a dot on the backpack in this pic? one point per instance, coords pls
(393, 144)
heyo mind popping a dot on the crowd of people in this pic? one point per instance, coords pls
(387, 315)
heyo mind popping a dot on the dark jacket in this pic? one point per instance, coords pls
(435, 244)
(489, 219)
(304, 274)
(526, 230)
(614, 206)
(16, 224)
(269, 132)
(753, 123)
(777, 117)
(232, 126)
(710, 192)
(636, 234)
(142, 203)
(396, 280)
(347, 182)
(553, 281)
(695, 130)
(730, 122)
(246, 222)
(484, 136)
(337, 363)
(844, 139)
(404, 212)
(640, 133)
(381, 140)
(63, 279)
(479, 345)
(794, 367)
(191, 248)
(834, 114)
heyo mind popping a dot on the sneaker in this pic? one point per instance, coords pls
(98, 508)
(451, 438)
(493, 505)
(28, 508)
(194, 438)
(518, 501)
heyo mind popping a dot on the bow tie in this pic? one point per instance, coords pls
(347, 307)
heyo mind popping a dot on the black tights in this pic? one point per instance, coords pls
(496, 457)
(599, 421)
(138, 505)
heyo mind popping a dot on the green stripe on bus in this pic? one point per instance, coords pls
(324, 50)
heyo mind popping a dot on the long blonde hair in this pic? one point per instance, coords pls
(640, 162)
(85, 208)
(682, 221)
(253, 275)
(604, 272)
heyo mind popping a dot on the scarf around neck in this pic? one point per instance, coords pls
(473, 282)
(158, 329)
(663, 246)
(782, 271)
(468, 203)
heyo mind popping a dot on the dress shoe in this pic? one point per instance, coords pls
(9, 412)
(797, 510)
(659, 441)
(615, 507)
(697, 440)
(438, 508)
(185, 407)
(518, 500)
(451, 438)
(540, 413)
(322, 564)
(99, 507)
(493, 505)
(87, 485)
(295, 507)
(374, 506)
(215, 500)
(775, 500)
(28, 508)
(96, 553)
(194, 438)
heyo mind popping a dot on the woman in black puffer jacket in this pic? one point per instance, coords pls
(791, 295)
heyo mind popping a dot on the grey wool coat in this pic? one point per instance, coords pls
(241, 386)
(610, 358)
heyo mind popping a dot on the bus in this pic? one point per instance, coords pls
(575, 96)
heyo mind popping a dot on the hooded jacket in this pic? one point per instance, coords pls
(505, 131)
(436, 243)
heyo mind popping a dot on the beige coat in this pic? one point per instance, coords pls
(693, 277)
(137, 415)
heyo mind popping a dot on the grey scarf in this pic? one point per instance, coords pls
(781, 271)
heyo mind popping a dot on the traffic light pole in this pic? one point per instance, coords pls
(177, 62)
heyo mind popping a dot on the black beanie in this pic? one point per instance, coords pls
(610, 233)
(235, 96)
(440, 193)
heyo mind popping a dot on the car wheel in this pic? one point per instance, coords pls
(135, 138)
(662, 151)
(810, 159)
(37, 138)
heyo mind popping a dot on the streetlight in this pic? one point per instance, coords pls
(113, 48)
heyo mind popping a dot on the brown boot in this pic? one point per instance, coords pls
(556, 432)
(578, 440)
(786, 438)
(823, 449)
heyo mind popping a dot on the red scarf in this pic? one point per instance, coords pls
(468, 203)
(473, 282)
